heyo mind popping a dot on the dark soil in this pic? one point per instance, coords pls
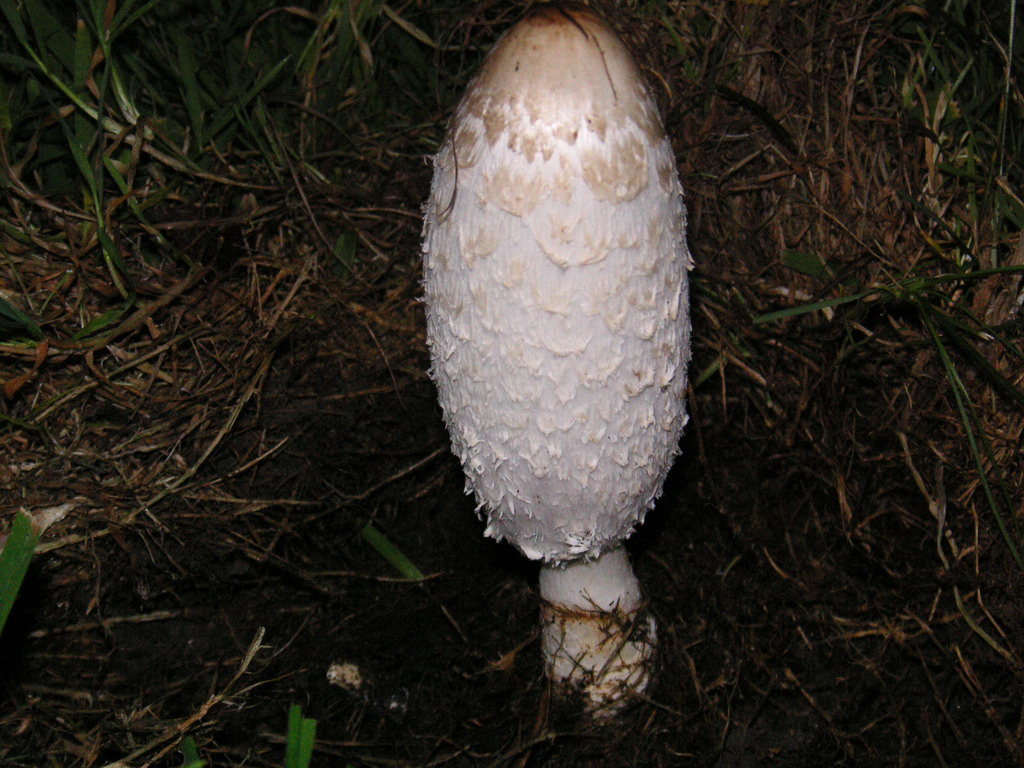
(782, 642)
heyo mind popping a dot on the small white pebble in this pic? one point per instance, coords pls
(345, 675)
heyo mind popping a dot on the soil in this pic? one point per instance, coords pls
(782, 642)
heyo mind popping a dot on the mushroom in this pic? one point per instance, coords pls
(555, 285)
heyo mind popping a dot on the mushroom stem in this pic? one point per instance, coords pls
(596, 635)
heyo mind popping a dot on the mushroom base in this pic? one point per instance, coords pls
(596, 636)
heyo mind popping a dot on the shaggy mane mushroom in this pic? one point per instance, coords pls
(555, 278)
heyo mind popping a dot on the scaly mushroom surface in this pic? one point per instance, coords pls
(555, 284)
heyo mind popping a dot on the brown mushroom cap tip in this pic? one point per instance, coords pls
(557, 65)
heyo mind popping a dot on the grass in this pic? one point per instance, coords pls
(14, 561)
(299, 742)
(955, 329)
(110, 114)
(115, 110)
(960, 93)
(300, 739)
(387, 549)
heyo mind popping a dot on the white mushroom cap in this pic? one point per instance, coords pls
(556, 288)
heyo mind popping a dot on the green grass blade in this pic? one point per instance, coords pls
(391, 553)
(805, 262)
(10, 11)
(298, 750)
(973, 430)
(13, 320)
(958, 337)
(243, 100)
(52, 40)
(774, 126)
(908, 290)
(116, 267)
(58, 39)
(76, 143)
(132, 200)
(83, 56)
(190, 754)
(102, 322)
(14, 561)
(408, 27)
(804, 309)
(192, 93)
(125, 16)
(927, 212)
(129, 110)
(345, 248)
